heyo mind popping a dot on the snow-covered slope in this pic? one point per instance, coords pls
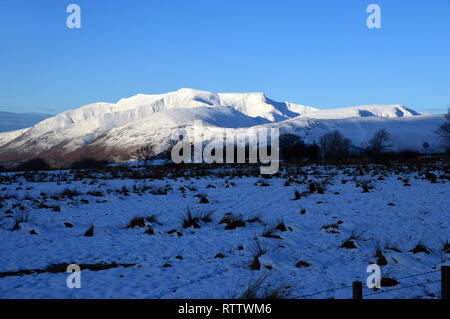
(113, 129)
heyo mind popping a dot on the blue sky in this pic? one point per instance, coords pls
(311, 52)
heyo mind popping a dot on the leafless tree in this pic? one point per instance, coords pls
(444, 129)
(380, 142)
(144, 154)
(334, 146)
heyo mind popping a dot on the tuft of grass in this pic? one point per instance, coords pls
(366, 186)
(392, 247)
(89, 232)
(149, 230)
(70, 193)
(261, 289)
(95, 193)
(350, 242)
(316, 187)
(136, 221)
(193, 218)
(302, 263)
(271, 233)
(381, 260)
(21, 216)
(281, 226)
(152, 219)
(255, 219)
(203, 198)
(446, 247)
(232, 221)
(420, 248)
(388, 282)
(258, 249)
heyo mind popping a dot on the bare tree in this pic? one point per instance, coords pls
(334, 146)
(444, 129)
(380, 142)
(144, 154)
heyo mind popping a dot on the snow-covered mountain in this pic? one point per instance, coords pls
(113, 130)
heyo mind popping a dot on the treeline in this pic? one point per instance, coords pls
(334, 147)
(39, 164)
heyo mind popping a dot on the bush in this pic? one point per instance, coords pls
(36, 164)
(89, 163)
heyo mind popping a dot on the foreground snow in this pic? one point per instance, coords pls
(182, 264)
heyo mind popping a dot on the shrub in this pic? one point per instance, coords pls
(144, 154)
(89, 163)
(36, 164)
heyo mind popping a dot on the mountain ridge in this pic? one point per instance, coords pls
(152, 118)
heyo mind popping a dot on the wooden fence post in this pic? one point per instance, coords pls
(445, 282)
(357, 290)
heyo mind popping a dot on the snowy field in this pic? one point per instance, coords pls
(305, 230)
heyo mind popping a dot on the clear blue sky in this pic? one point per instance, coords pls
(311, 52)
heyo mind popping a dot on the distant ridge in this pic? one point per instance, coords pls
(10, 121)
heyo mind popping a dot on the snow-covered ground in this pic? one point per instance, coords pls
(400, 209)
